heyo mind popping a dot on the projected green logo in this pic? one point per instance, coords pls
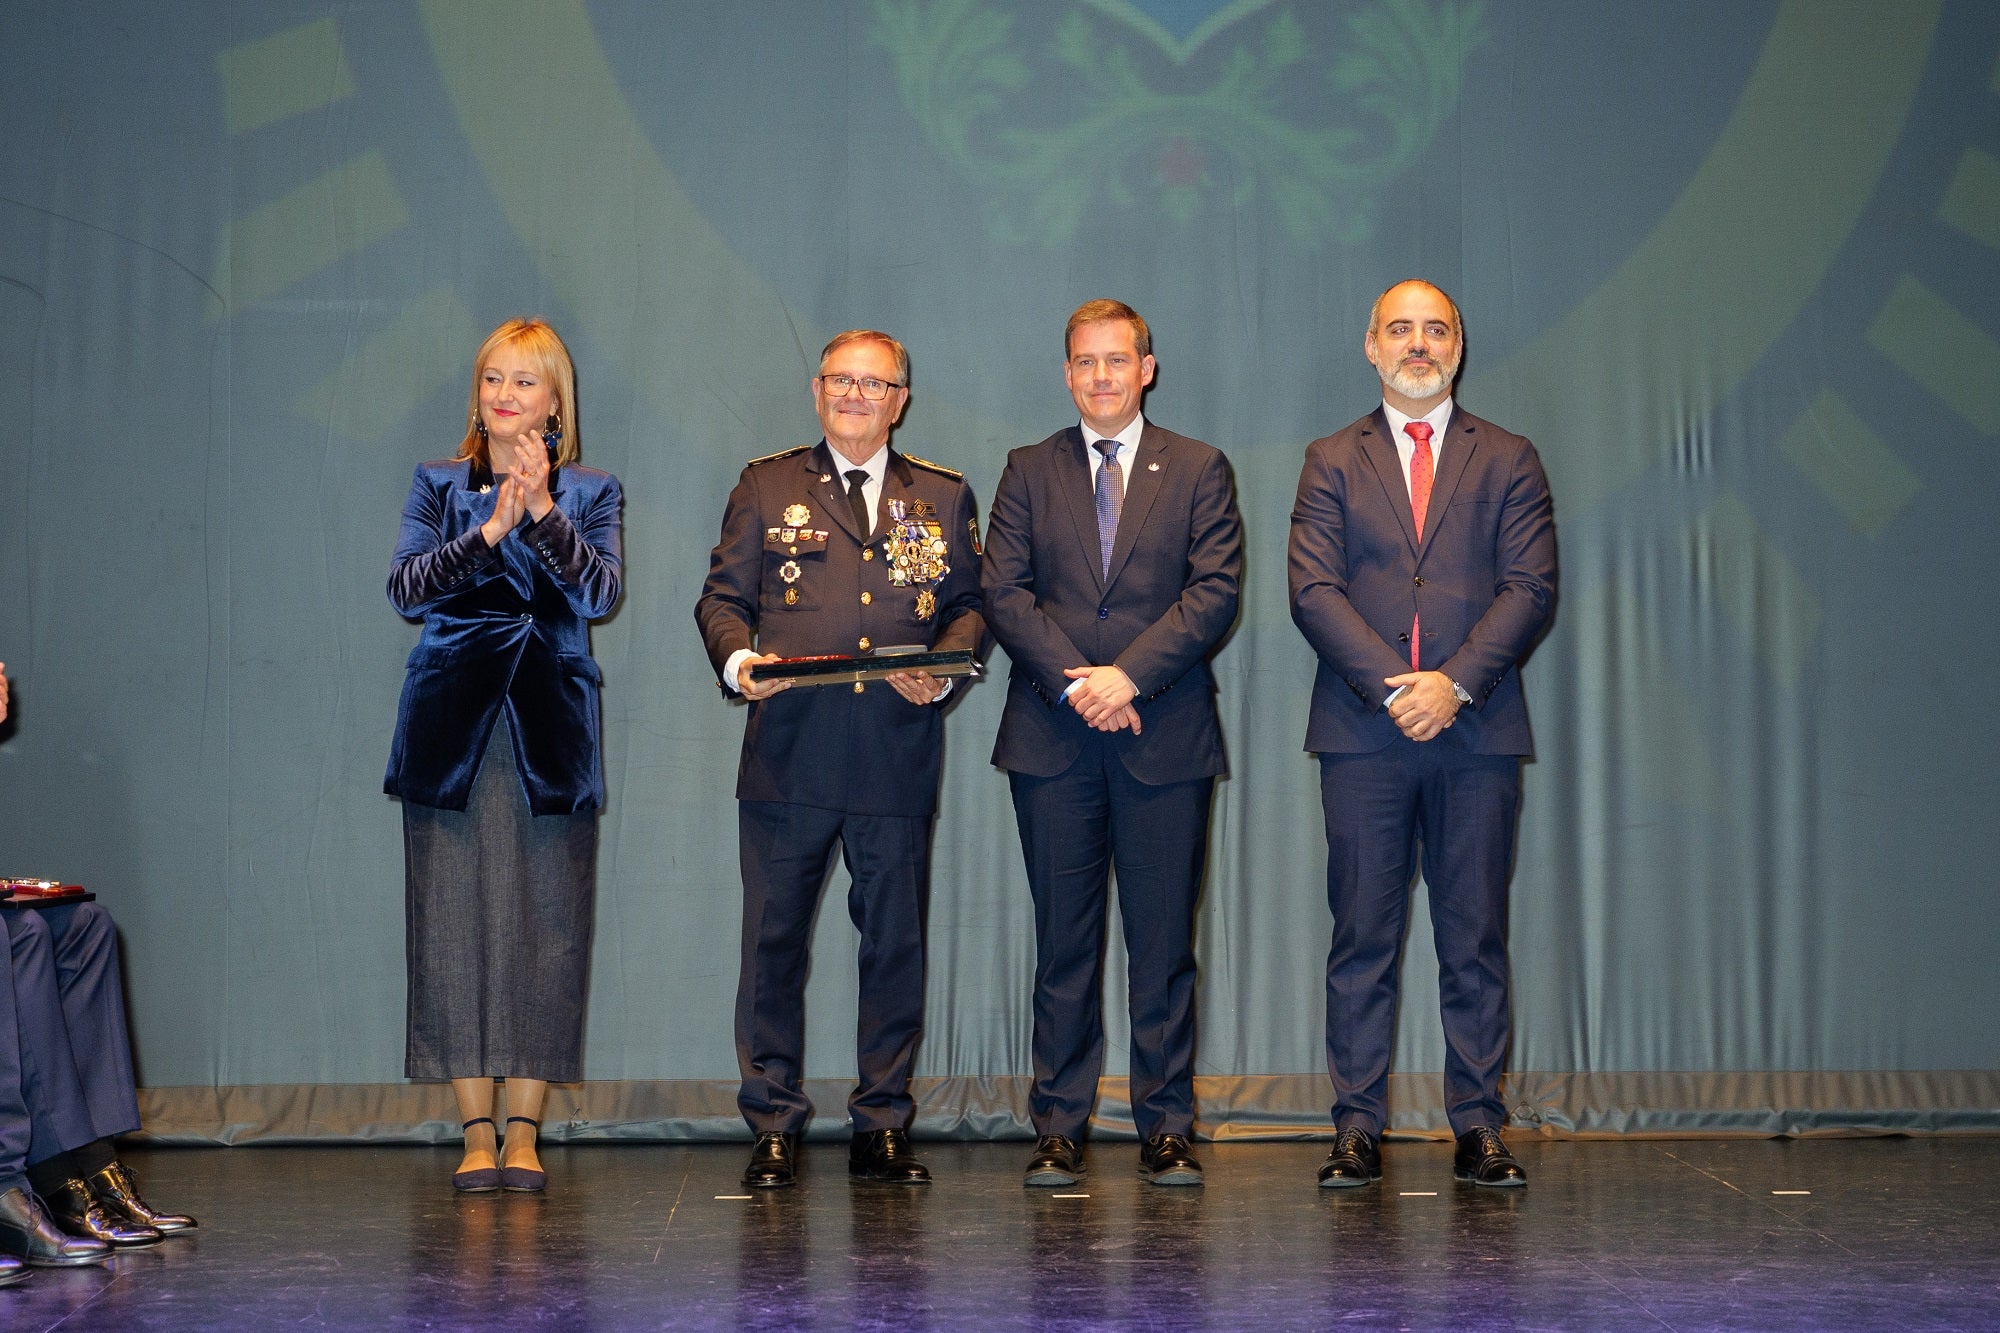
(1108, 109)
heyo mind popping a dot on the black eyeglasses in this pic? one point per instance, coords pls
(839, 386)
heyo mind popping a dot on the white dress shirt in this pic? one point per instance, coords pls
(1406, 448)
(1128, 449)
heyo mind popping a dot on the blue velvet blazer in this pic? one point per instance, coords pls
(506, 629)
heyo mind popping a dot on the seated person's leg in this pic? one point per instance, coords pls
(99, 1099)
(26, 1229)
(93, 1005)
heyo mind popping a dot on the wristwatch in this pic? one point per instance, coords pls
(1459, 690)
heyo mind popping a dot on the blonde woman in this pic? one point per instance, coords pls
(507, 553)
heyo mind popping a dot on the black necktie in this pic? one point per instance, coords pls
(858, 503)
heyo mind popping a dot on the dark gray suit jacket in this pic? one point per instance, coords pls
(1483, 577)
(1171, 596)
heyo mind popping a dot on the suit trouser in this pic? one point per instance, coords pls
(76, 1055)
(1462, 809)
(1074, 828)
(15, 1133)
(787, 852)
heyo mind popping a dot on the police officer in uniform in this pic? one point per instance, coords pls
(839, 548)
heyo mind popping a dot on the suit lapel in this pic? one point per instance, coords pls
(1149, 463)
(832, 491)
(1073, 480)
(1460, 441)
(1379, 447)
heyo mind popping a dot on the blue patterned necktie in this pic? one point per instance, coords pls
(1110, 500)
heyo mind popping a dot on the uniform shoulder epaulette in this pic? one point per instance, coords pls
(938, 468)
(782, 453)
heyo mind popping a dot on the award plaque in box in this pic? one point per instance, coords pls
(867, 666)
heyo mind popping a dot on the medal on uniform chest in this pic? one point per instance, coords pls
(916, 549)
(796, 516)
(790, 571)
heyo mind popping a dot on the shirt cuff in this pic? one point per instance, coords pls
(732, 666)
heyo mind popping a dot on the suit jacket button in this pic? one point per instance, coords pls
(867, 553)
(867, 597)
(1402, 638)
(527, 615)
(1420, 580)
(864, 643)
(1104, 613)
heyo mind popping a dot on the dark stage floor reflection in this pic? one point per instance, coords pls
(1818, 1234)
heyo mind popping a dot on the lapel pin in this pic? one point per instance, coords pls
(1152, 467)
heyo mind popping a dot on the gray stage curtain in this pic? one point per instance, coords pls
(1734, 266)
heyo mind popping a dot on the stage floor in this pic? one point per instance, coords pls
(1889, 1233)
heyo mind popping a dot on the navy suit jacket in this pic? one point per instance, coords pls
(1483, 577)
(506, 628)
(826, 746)
(1171, 596)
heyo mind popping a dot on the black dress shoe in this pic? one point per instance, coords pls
(773, 1162)
(884, 1154)
(119, 1193)
(1483, 1159)
(1166, 1159)
(79, 1212)
(1057, 1161)
(12, 1270)
(1354, 1161)
(28, 1232)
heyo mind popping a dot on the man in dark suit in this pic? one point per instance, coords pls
(1113, 558)
(840, 547)
(1423, 568)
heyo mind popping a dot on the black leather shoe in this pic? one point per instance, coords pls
(79, 1212)
(1057, 1161)
(1166, 1159)
(773, 1163)
(1354, 1161)
(119, 1193)
(884, 1154)
(1483, 1159)
(12, 1270)
(28, 1232)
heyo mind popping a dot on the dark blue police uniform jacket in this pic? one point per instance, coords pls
(827, 589)
(506, 629)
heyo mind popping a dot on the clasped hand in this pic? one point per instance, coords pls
(524, 490)
(1427, 707)
(1104, 699)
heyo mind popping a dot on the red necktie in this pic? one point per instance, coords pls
(1420, 503)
